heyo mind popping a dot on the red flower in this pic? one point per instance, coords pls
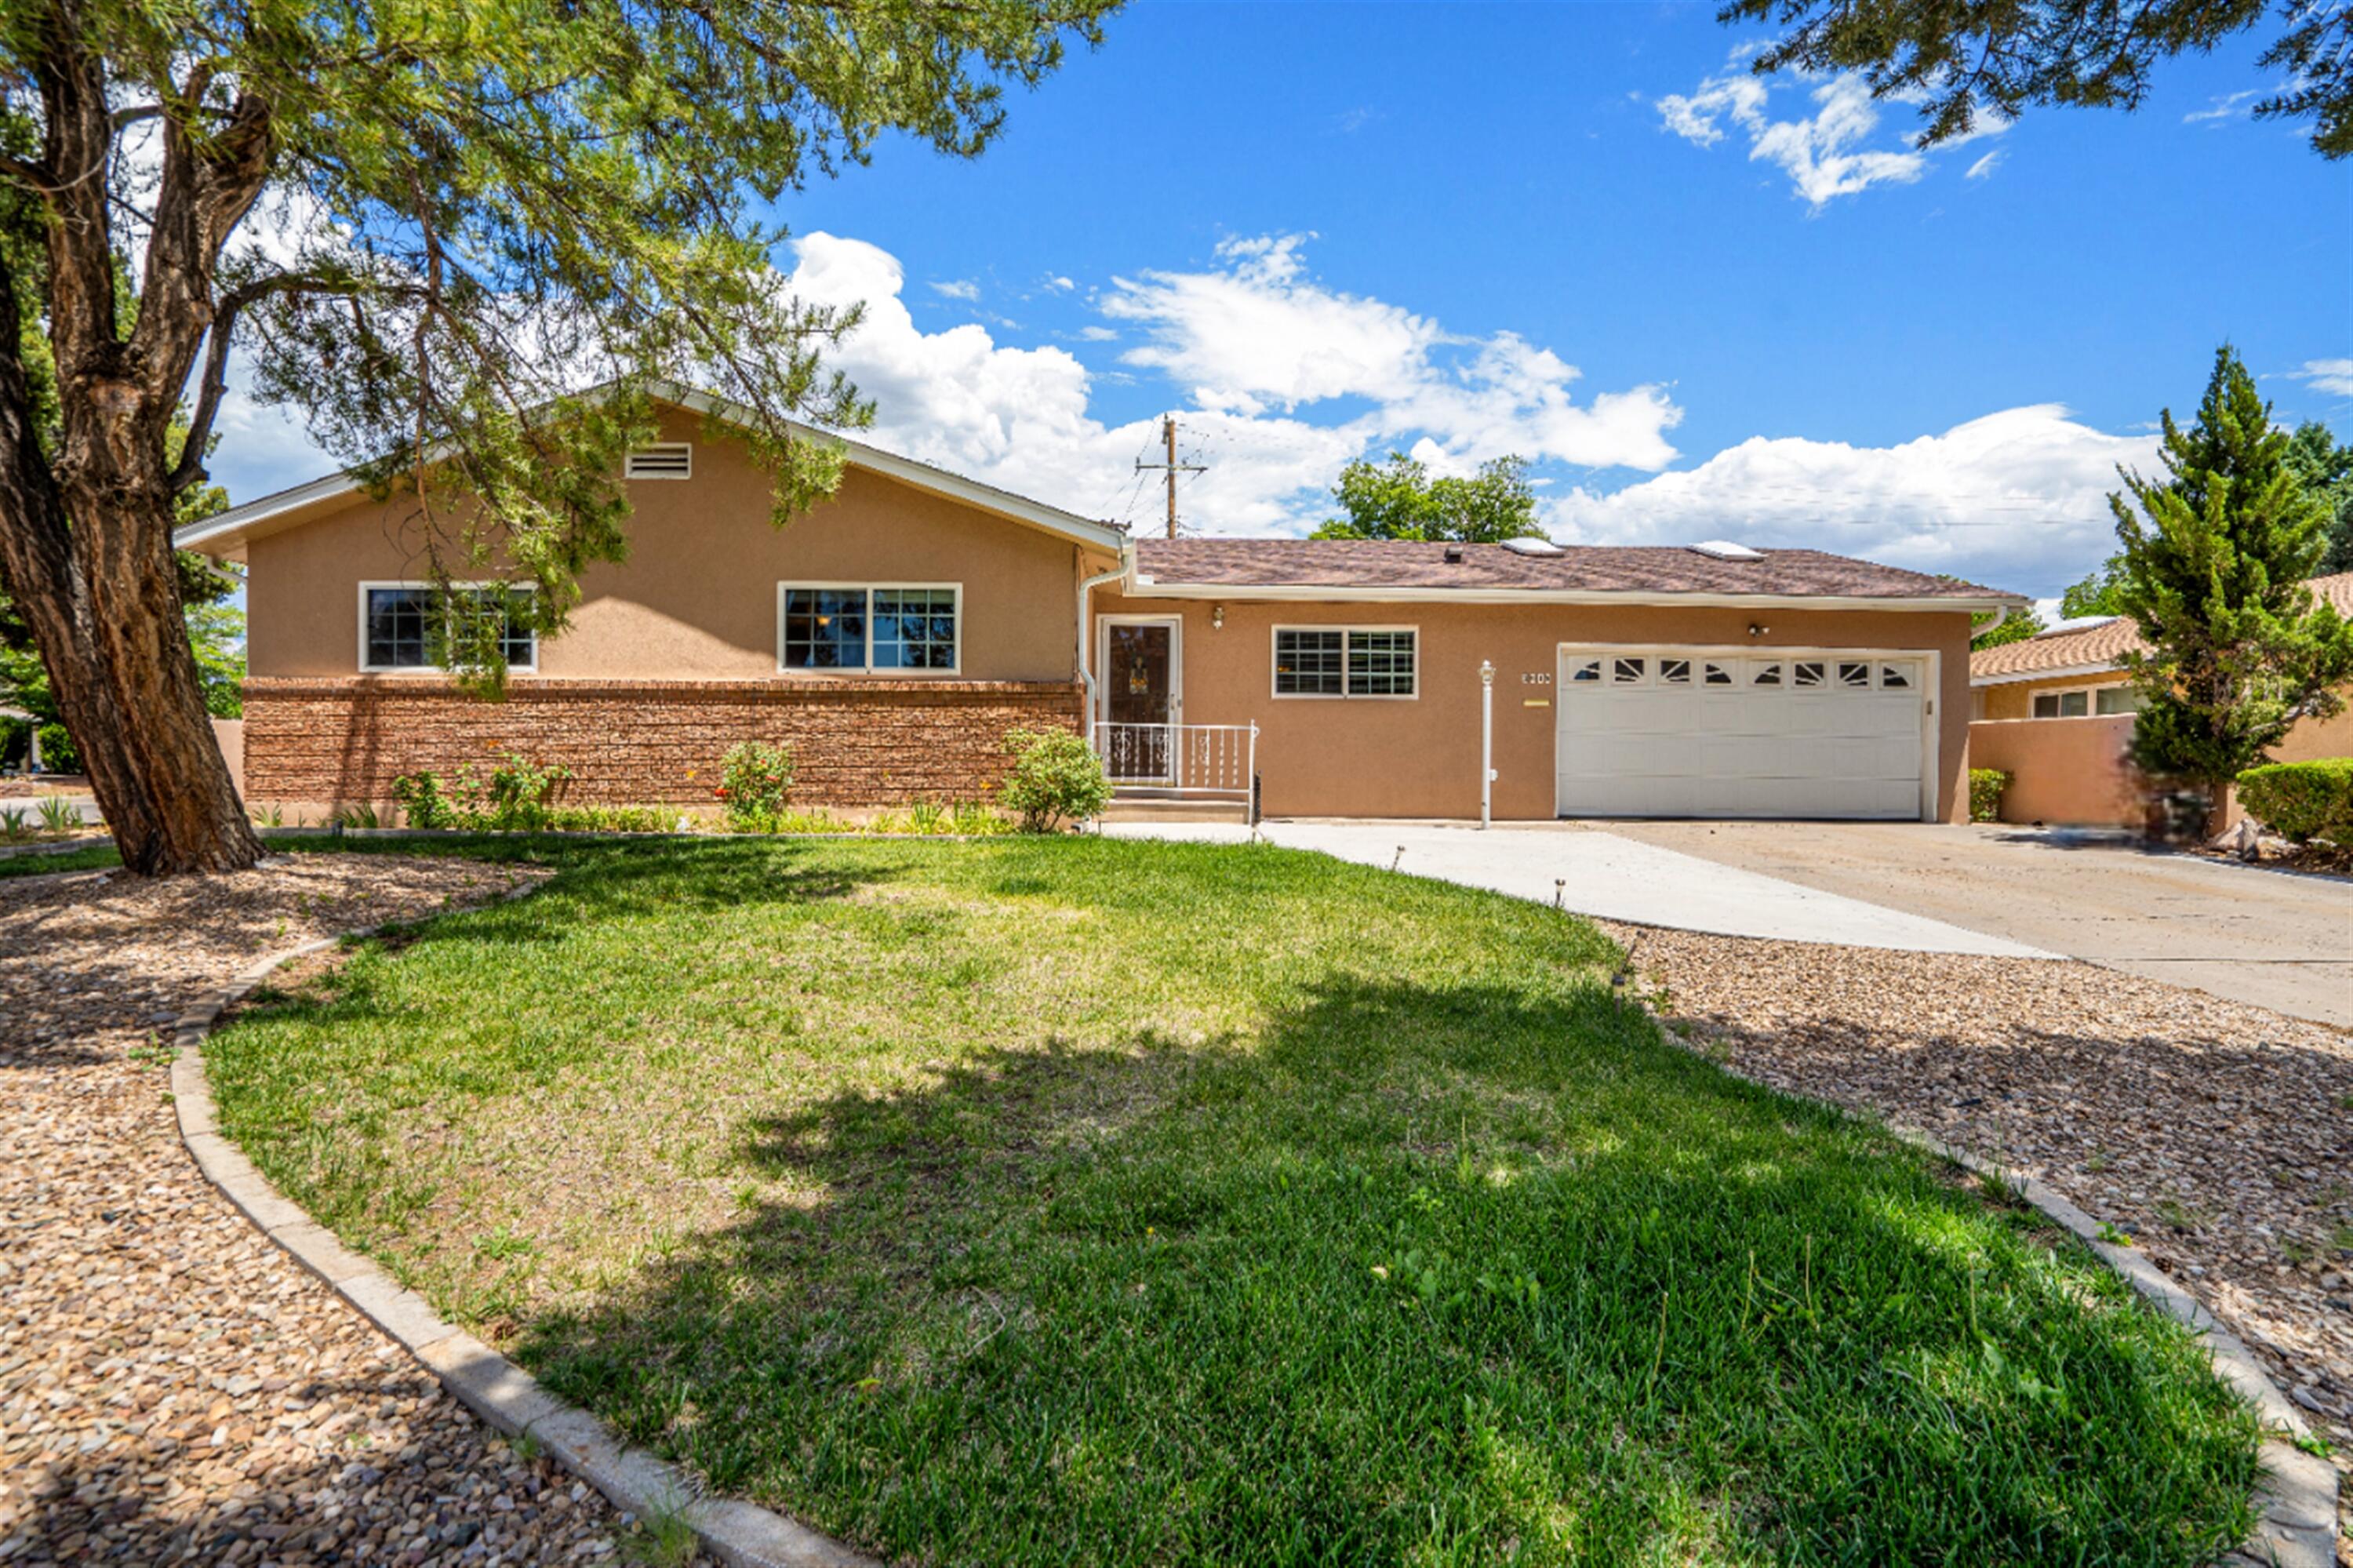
(721, 791)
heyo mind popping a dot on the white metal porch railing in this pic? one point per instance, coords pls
(1186, 759)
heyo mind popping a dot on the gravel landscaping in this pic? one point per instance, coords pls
(2218, 1135)
(172, 1388)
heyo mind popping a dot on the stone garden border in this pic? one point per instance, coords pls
(2297, 1528)
(509, 1399)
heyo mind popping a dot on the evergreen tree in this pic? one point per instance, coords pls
(426, 227)
(2326, 465)
(2212, 569)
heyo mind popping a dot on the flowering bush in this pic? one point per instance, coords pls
(755, 780)
(1056, 777)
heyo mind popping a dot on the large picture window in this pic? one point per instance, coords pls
(1345, 662)
(867, 627)
(397, 625)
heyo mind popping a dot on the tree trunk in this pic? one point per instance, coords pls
(103, 603)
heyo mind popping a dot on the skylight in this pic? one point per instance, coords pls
(1533, 546)
(1726, 550)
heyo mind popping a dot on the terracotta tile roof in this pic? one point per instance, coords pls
(1343, 564)
(2105, 642)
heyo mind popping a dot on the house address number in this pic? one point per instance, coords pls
(1534, 678)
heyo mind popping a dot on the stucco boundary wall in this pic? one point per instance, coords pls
(2069, 771)
(863, 743)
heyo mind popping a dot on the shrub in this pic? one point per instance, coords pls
(1056, 777)
(58, 753)
(755, 780)
(2302, 800)
(422, 801)
(1986, 784)
(517, 798)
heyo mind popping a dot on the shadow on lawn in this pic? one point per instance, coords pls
(1421, 1274)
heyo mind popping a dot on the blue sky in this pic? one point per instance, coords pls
(1577, 231)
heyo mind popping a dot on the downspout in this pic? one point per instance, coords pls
(1087, 587)
(2000, 614)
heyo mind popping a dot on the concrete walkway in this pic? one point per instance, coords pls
(1614, 877)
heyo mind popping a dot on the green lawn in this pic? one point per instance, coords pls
(90, 857)
(1084, 1202)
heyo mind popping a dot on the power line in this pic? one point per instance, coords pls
(1169, 468)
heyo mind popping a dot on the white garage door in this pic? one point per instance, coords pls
(1668, 732)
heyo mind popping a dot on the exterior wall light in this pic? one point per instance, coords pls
(1216, 618)
(1757, 630)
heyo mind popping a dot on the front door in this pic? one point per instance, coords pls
(1139, 699)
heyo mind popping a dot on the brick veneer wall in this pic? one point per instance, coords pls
(871, 743)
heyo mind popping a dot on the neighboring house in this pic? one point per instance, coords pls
(2055, 712)
(897, 630)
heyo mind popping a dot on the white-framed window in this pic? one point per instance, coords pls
(396, 625)
(2115, 700)
(1348, 661)
(871, 628)
(663, 460)
(2076, 704)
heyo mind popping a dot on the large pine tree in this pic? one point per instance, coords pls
(2212, 569)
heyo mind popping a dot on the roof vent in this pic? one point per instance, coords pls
(1453, 555)
(1534, 546)
(669, 459)
(1726, 550)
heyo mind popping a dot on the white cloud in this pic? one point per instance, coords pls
(2333, 376)
(1255, 333)
(2016, 499)
(957, 288)
(2232, 106)
(1019, 417)
(1985, 166)
(1098, 334)
(1061, 284)
(1825, 153)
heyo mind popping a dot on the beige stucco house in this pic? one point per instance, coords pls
(2057, 712)
(897, 630)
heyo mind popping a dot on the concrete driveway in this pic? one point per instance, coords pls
(1612, 876)
(2276, 938)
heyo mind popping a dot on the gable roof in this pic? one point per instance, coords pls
(1380, 568)
(2101, 646)
(225, 532)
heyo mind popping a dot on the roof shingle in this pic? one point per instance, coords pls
(2104, 643)
(1345, 564)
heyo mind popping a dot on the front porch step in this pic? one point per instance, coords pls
(1169, 809)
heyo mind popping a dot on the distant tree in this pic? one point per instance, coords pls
(2097, 593)
(1959, 59)
(2212, 569)
(478, 211)
(2326, 464)
(2016, 627)
(1398, 500)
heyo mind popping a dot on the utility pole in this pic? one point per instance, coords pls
(1171, 467)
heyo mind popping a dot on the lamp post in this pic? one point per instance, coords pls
(1486, 739)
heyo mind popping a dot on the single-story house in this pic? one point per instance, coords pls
(2055, 711)
(895, 632)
